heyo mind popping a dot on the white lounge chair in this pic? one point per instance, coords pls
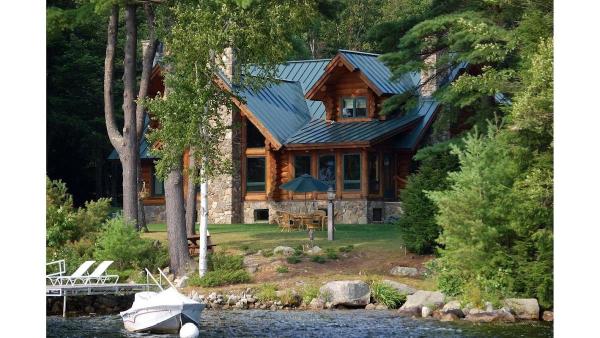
(78, 274)
(99, 275)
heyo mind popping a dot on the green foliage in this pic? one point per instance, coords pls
(330, 253)
(293, 259)
(318, 259)
(223, 261)
(121, 243)
(244, 247)
(346, 248)
(386, 295)
(309, 292)
(267, 253)
(267, 292)
(220, 277)
(418, 227)
(282, 269)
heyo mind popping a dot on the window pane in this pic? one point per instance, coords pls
(254, 139)
(360, 109)
(348, 107)
(327, 169)
(158, 187)
(255, 180)
(352, 172)
(301, 165)
(373, 172)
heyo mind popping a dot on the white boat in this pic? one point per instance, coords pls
(162, 312)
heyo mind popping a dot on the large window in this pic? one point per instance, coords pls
(301, 165)
(254, 139)
(327, 169)
(373, 172)
(352, 172)
(256, 170)
(158, 186)
(354, 106)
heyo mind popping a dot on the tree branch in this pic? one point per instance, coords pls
(147, 57)
(116, 139)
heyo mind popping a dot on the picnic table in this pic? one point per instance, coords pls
(194, 244)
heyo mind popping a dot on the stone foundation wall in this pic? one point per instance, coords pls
(155, 213)
(84, 305)
(346, 212)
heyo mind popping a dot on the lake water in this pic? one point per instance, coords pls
(336, 323)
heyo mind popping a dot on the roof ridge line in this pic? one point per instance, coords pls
(358, 52)
(309, 60)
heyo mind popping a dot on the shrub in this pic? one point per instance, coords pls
(267, 292)
(244, 247)
(121, 243)
(293, 259)
(346, 248)
(220, 277)
(290, 298)
(309, 292)
(331, 254)
(386, 295)
(282, 269)
(267, 253)
(222, 261)
(318, 259)
(418, 226)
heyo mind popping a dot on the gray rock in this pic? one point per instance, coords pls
(548, 316)
(328, 305)
(181, 282)
(448, 317)
(453, 307)
(351, 293)
(489, 307)
(251, 300)
(400, 287)
(523, 308)
(381, 307)
(316, 304)
(490, 316)
(314, 251)
(404, 271)
(232, 299)
(426, 311)
(414, 302)
(370, 306)
(283, 250)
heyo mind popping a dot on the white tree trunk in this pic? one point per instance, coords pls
(203, 266)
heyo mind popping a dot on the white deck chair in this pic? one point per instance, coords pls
(78, 274)
(99, 275)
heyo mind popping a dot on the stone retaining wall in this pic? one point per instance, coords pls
(84, 305)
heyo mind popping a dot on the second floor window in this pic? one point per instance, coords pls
(301, 165)
(354, 107)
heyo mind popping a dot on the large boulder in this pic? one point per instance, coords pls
(415, 302)
(283, 250)
(351, 293)
(548, 316)
(400, 287)
(523, 308)
(453, 307)
(404, 271)
(490, 316)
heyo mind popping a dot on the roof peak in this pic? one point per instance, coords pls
(358, 52)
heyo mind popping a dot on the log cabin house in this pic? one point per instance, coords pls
(320, 117)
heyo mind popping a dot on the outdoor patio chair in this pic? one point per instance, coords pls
(99, 275)
(287, 222)
(320, 216)
(78, 274)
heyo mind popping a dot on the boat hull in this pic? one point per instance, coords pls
(161, 319)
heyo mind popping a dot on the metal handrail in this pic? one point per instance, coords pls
(168, 281)
(154, 279)
(62, 268)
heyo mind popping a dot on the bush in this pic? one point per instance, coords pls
(309, 292)
(293, 259)
(318, 259)
(220, 277)
(282, 269)
(222, 261)
(121, 243)
(267, 253)
(386, 295)
(418, 226)
(244, 247)
(331, 254)
(346, 248)
(267, 292)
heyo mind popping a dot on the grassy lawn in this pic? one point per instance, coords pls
(369, 237)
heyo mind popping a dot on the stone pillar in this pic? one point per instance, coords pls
(429, 82)
(224, 191)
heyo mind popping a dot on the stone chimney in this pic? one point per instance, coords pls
(228, 62)
(429, 80)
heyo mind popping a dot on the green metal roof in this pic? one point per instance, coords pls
(144, 146)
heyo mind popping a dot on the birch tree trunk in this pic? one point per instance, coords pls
(178, 249)
(203, 264)
(190, 202)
